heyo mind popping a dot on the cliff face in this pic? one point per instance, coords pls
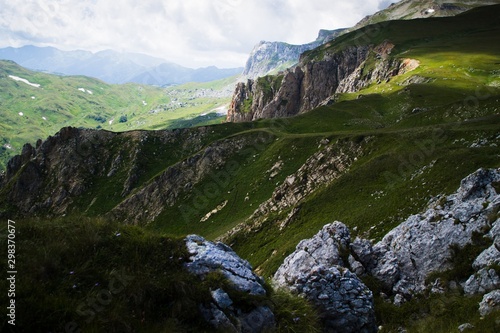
(312, 83)
(269, 56)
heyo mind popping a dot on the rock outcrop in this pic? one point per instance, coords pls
(490, 303)
(313, 82)
(322, 168)
(316, 270)
(222, 313)
(423, 243)
(321, 267)
(77, 170)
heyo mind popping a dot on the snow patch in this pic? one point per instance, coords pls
(17, 78)
(44, 118)
(144, 103)
(85, 91)
(21, 114)
(33, 97)
(111, 121)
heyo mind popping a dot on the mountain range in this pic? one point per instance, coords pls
(358, 191)
(111, 66)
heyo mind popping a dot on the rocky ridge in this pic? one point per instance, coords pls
(404, 259)
(313, 83)
(53, 177)
(319, 170)
(270, 56)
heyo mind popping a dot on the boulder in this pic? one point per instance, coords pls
(208, 257)
(490, 303)
(316, 270)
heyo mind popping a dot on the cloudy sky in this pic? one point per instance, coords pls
(193, 33)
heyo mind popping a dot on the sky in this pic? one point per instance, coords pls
(192, 33)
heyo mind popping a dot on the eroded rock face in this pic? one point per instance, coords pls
(316, 271)
(208, 257)
(421, 244)
(320, 268)
(313, 82)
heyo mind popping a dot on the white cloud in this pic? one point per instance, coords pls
(189, 32)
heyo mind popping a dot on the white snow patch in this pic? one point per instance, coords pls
(21, 114)
(144, 103)
(44, 118)
(17, 78)
(33, 97)
(111, 121)
(85, 91)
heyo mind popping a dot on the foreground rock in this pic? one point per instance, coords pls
(316, 271)
(423, 243)
(221, 313)
(321, 268)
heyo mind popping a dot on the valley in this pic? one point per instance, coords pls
(331, 180)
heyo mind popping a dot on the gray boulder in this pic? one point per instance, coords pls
(221, 313)
(484, 280)
(316, 271)
(490, 303)
(208, 257)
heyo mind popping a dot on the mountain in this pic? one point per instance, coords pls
(34, 105)
(267, 57)
(377, 58)
(271, 57)
(373, 205)
(111, 66)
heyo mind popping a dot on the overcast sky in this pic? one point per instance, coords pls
(193, 33)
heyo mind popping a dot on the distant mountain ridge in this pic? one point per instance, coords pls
(111, 66)
(268, 57)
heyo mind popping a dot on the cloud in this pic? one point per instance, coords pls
(193, 33)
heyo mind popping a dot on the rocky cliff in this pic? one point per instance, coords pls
(314, 82)
(271, 56)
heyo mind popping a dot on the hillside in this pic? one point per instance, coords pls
(414, 9)
(405, 154)
(34, 105)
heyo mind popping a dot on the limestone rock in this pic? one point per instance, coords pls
(465, 327)
(421, 244)
(324, 249)
(484, 280)
(209, 257)
(315, 270)
(221, 313)
(490, 303)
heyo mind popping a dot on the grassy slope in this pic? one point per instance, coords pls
(423, 138)
(58, 103)
(89, 275)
